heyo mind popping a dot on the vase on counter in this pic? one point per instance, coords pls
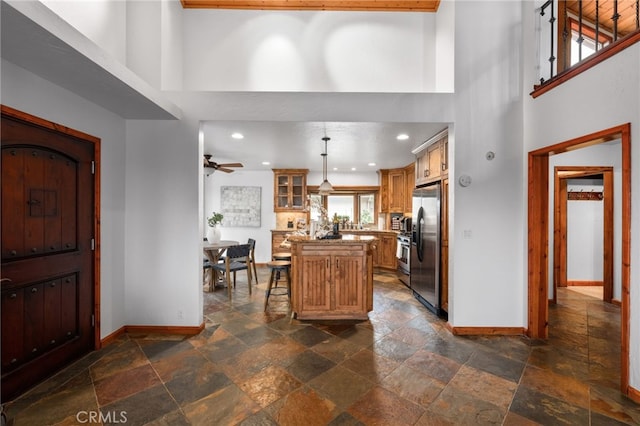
(213, 234)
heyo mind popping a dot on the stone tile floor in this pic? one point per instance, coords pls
(402, 367)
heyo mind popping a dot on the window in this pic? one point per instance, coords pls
(355, 205)
(588, 41)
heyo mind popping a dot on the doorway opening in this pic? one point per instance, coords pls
(538, 235)
(562, 228)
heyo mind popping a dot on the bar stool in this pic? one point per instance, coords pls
(276, 267)
(280, 256)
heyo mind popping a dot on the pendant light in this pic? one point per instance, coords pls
(325, 187)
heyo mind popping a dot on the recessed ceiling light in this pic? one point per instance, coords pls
(335, 169)
(371, 164)
(237, 135)
(265, 163)
(353, 169)
(402, 137)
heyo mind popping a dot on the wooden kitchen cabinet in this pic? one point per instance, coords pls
(410, 181)
(383, 249)
(444, 246)
(331, 279)
(393, 190)
(290, 189)
(397, 189)
(432, 159)
(387, 244)
(384, 191)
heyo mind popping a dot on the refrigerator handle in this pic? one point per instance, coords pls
(419, 242)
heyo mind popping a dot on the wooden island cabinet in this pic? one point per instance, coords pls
(332, 279)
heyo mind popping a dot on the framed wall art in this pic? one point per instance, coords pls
(240, 206)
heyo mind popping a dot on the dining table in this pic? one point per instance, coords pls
(213, 251)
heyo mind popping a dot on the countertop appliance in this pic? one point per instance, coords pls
(404, 255)
(425, 247)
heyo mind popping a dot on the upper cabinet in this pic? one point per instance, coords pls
(432, 159)
(290, 189)
(410, 179)
(395, 192)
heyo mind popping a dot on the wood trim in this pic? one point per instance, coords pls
(537, 232)
(164, 329)
(537, 225)
(616, 302)
(12, 112)
(586, 64)
(350, 189)
(41, 122)
(633, 394)
(626, 254)
(585, 283)
(113, 336)
(559, 234)
(370, 5)
(484, 331)
(608, 232)
(152, 329)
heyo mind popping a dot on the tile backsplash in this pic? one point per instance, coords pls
(282, 219)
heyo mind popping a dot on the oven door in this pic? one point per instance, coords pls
(404, 254)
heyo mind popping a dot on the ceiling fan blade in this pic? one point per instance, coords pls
(230, 165)
(222, 169)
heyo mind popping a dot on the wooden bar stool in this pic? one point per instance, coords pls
(276, 267)
(286, 256)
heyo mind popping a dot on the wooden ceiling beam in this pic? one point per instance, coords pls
(368, 5)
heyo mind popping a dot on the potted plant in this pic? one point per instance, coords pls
(213, 233)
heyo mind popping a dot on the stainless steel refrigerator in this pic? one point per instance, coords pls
(425, 247)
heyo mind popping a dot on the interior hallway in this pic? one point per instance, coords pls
(402, 367)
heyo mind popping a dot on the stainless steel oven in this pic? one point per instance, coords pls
(404, 255)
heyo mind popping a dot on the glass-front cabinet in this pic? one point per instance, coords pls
(290, 189)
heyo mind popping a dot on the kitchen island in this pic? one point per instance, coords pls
(332, 279)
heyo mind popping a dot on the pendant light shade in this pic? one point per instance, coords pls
(325, 187)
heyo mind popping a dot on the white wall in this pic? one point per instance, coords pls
(163, 229)
(262, 235)
(585, 233)
(444, 63)
(102, 21)
(27, 92)
(241, 50)
(144, 38)
(607, 95)
(487, 285)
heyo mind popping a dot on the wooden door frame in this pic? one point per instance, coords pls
(561, 174)
(538, 235)
(49, 125)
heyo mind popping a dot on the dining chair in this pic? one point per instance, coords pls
(237, 258)
(252, 257)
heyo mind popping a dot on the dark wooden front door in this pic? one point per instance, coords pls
(47, 253)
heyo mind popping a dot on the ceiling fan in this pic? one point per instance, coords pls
(224, 167)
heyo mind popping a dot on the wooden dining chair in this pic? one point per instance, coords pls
(237, 258)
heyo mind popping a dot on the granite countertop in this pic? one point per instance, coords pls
(346, 231)
(345, 239)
